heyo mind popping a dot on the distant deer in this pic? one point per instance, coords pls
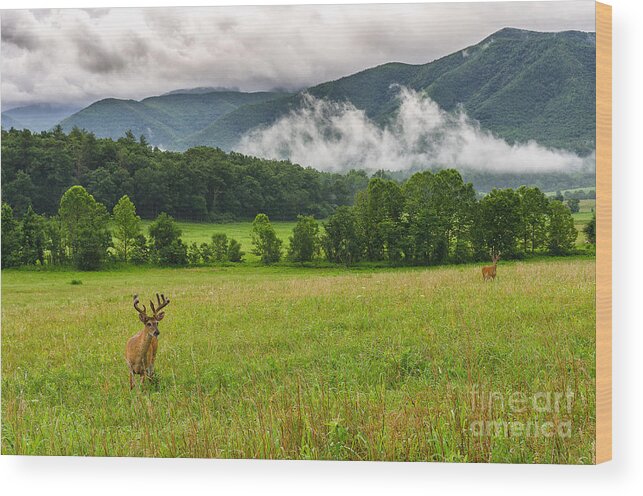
(140, 351)
(489, 272)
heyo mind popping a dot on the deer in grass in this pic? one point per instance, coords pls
(489, 272)
(140, 351)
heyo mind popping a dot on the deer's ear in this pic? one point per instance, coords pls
(142, 317)
(160, 316)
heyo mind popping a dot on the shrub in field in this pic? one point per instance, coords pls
(234, 251)
(167, 245)
(266, 244)
(219, 247)
(174, 254)
(127, 226)
(207, 252)
(85, 225)
(304, 242)
(194, 254)
(140, 253)
(562, 233)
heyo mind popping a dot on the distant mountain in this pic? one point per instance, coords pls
(521, 85)
(37, 117)
(164, 120)
(200, 90)
(8, 122)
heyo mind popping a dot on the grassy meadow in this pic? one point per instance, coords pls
(201, 232)
(286, 362)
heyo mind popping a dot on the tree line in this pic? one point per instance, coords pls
(432, 218)
(203, 183)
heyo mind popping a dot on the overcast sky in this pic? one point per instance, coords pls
(79, 56)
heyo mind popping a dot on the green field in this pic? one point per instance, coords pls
(201, 232)
(281, 362)
(581, 219)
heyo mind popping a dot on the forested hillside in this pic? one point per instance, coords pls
(522, 85)
(202, 183)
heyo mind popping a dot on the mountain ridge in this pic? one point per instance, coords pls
(520, 85)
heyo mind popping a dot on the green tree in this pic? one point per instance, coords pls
(438, 213)
(32, 238)
(194, 254)
(590, 230)
(573, 204)
(10, 238)
(219, 247)
(86, 226)
(140, 253)
(55, 234)
(127, 226)
(234, 251)
(498, 223)
(379, 209)
(266, 244)
(166, 241)
(534, 209)
(207, 252)
(341, 240)
(562, 233)
(304, 242)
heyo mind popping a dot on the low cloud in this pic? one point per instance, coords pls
(336, 136)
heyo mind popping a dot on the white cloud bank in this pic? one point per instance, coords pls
(336, 136)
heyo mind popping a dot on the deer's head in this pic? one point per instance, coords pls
(151, 322)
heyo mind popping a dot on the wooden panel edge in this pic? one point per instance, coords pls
(603, 450)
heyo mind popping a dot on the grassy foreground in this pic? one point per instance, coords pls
(302, 363)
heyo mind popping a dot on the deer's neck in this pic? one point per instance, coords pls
(147, 339)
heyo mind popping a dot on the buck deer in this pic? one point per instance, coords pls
(489, 272)
(140, 351)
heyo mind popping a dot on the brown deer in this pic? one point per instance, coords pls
(489, 272)
(140, 351)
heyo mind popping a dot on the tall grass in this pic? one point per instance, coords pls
(291, 363)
